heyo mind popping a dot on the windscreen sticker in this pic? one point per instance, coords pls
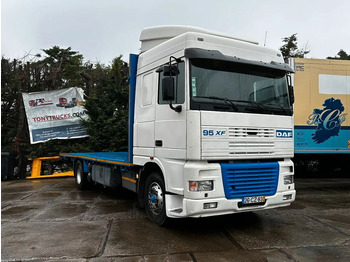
(194, 88)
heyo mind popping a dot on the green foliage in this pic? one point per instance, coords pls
(107, 108)
(63, 68)
(290, 48)
(9, 95)
(342, 55)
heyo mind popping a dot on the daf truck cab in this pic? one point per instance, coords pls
(211, 126)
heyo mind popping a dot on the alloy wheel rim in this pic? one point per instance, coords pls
(155, 198)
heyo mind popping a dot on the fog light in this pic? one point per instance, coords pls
(287, 197)
(210, 205)
(206, 185)
(288, 179)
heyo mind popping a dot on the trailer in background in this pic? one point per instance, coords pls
(322, 112)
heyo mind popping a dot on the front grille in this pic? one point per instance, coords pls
(251, 132)
(249, 179)
(260, 148)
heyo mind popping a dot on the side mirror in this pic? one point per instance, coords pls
(171, 70)
(168, 88)
(291, 95)
(169, 92)
(168, 70)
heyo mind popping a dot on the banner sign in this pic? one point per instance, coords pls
(55, 114)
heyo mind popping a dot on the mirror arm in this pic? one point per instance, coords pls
(290, 90)
(177, 109)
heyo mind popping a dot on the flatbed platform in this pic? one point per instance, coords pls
(117, 158)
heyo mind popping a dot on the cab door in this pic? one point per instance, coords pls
(170, 124)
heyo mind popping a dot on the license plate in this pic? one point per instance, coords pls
(253, 200)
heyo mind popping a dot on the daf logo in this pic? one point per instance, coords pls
(284, 133)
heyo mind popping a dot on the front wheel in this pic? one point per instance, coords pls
(155, 199)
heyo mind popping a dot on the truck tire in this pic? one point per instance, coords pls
(155, 199)
(80, 177)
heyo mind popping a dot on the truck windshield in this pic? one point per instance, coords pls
(235, 87)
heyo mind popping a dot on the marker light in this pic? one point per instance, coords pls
(210, 205)
(287, 197)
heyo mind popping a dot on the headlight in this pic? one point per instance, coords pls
(206, 185)
(289, 179)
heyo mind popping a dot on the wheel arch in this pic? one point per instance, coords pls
(148, 169)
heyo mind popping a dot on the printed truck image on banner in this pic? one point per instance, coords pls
(55, 114)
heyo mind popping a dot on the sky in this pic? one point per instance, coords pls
(101, 30)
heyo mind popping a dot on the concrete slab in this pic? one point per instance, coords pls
(43, 197)
(50, 220)
(273, 255)
(61, 260)
(22, 187)
(18, 212)
(118, 259)
(279, 229)
(325, 200)
(169, 258)
(329, 253)
(136, 237)
(49, 240)
(148, 258)
(66, 184)
(82, 196)
(8, 199)
(138, 212)
(317, 185)
(38, 182)
(336, 218)
(12, 197)
(63, 211)
(120, 194)
(110, 210)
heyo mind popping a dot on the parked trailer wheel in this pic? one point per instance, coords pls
(155, 199)
(80, 177)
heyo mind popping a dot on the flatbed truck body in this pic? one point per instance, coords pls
(211, 127)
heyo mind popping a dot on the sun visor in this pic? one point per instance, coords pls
(217, 55)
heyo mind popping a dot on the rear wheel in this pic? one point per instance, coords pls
(80, 177)
(155, 199)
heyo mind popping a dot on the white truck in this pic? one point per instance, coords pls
(210, 127)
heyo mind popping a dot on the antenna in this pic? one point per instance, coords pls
(265, 38)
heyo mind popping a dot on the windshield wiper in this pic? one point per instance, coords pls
(278, 105)
(263, 106)
(257, 105)
(227, 101)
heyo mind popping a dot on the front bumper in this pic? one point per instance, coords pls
(179, 207)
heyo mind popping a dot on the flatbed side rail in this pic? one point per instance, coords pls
(96, 159)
